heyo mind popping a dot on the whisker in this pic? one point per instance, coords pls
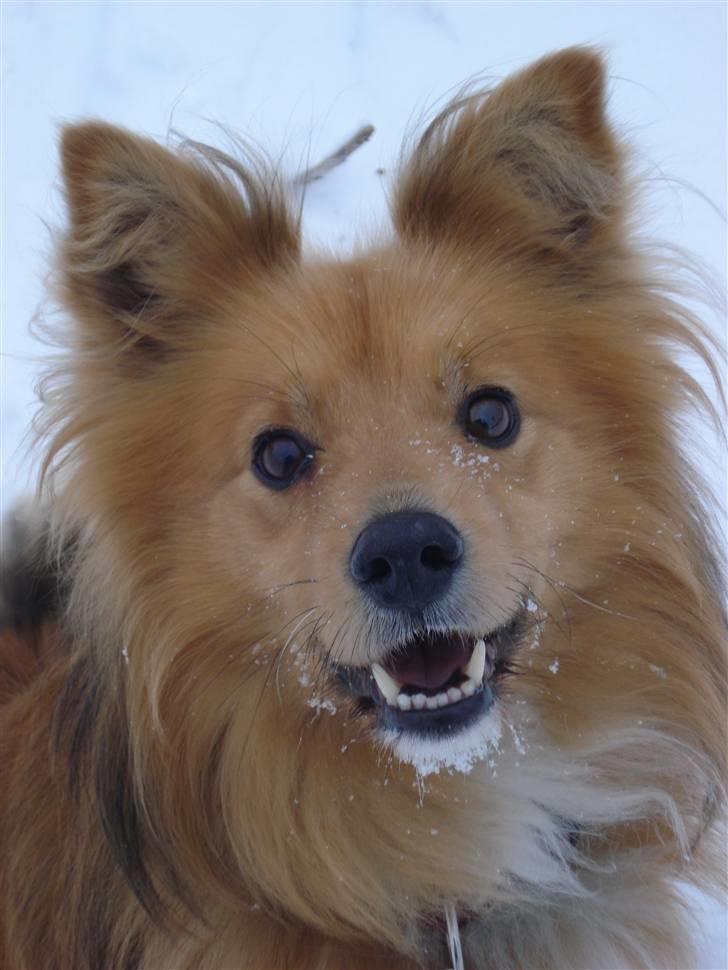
(305, 620)
(274, 590)
(560, 584)
(530, 594)
(343, 626)
(317, 665)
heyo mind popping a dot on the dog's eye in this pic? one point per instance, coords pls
(491, 415)
(280, 457)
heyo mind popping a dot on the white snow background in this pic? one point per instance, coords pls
(299, 78)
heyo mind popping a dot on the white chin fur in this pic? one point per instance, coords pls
(458, 753)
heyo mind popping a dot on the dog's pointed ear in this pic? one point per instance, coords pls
(532, 165)
(157, 237)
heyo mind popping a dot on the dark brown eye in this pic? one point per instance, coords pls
(280, 457)
(491, 415)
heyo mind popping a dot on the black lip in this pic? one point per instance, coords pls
(443, 721)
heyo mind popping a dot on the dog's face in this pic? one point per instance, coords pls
(399, 500)
(410, 445)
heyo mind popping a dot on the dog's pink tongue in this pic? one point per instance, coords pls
(431, 663)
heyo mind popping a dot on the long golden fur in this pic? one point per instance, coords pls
(183, 785)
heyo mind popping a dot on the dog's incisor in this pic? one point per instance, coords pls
(368, 588)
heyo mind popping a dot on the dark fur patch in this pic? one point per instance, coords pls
(119, 816)
(122, 289)
(32, 585)
(90, 732)
(74, 720)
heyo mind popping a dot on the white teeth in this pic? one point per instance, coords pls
(481, 663)
(386, 683)
(475, 668)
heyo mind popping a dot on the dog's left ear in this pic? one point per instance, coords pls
(532, 166)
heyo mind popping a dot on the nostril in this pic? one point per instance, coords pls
(434, 557)
(379, 570)
(442, 554)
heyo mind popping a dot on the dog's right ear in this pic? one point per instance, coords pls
(156, 237)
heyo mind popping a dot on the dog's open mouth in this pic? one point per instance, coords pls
(436, 682)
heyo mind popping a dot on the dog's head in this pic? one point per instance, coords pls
(423, 505)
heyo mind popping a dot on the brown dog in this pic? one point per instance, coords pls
(372, 591)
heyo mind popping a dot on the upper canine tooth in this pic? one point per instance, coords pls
(386, 683)
(476, 665)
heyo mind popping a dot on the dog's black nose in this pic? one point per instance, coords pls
(406, 560)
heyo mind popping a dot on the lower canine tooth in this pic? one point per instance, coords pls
(454, 695)
(468, 687)
(387, 685)
(404, 702)
(476, 665)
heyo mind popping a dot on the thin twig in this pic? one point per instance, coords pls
(336, 158)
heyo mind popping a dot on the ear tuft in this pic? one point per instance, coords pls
(156, 236)
(95, 156)
(532, 164)
(573, 82)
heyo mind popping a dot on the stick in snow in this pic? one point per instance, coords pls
(336, 158)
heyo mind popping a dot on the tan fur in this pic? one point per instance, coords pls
(183, 785)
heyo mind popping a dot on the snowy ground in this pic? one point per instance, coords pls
(301, 76)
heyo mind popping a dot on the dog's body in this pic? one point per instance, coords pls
(371, 589)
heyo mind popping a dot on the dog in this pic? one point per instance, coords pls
(372, 615)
